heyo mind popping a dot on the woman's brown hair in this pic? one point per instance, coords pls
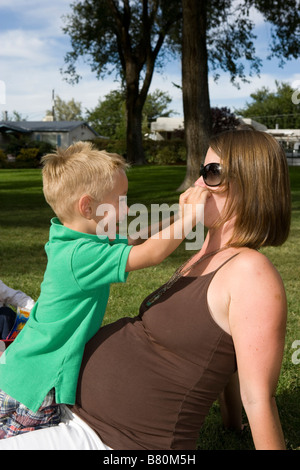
(255, 170)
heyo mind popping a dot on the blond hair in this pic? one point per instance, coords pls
(80, 169)
(255, 170)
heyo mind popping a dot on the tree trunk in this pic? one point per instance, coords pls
(134, 110)
(196, 104)
(136, 58)
(134, 137)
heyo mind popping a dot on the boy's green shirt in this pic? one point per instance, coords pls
(74, 293)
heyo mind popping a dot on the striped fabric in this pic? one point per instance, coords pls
(15, 418)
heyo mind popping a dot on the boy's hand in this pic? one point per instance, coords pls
(192, 197)
(156, 248)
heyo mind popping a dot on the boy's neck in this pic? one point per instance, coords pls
(83, 226)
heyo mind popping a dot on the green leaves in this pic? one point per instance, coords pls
(274, 107)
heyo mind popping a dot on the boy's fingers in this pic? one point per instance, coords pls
(192, 195)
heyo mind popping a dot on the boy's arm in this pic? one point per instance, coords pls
(150, 231)
(156, 248)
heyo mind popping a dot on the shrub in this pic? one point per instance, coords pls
(17, 145)
(110, 145)
(165, 152)
(29, 157)
(3, 156)
(42, 147)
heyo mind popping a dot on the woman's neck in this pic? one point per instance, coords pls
(217, 238)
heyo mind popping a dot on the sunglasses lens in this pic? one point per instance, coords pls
(211, 174)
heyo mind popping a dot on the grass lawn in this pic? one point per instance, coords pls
(24, 227)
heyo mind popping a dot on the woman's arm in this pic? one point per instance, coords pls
(257, 318)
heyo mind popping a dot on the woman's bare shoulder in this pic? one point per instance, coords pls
(253, 267)
(250, 259)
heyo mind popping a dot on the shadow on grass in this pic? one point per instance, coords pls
(289, 410)
(213, 435)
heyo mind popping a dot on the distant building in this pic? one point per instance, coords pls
(289, 139)
(57, 133)
(164, 128)
(256, 125)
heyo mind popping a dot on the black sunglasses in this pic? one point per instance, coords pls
(211, 174)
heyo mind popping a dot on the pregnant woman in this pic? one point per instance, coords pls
(148, 382)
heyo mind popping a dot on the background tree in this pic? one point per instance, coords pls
(156, 105)
(128, 37)
(108, 118)
(273, 108)
(195, 93)
(66, 110)
(16, 116)
(222, 120)
(226, 42)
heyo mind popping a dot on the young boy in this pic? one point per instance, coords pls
(40, 369)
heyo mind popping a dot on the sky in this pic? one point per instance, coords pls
(33, 47)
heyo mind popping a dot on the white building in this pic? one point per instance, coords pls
(164, 127)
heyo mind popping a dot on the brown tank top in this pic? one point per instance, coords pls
(148, 382)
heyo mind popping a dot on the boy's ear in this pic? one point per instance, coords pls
(85, 206)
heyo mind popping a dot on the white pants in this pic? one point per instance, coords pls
(72, 433)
